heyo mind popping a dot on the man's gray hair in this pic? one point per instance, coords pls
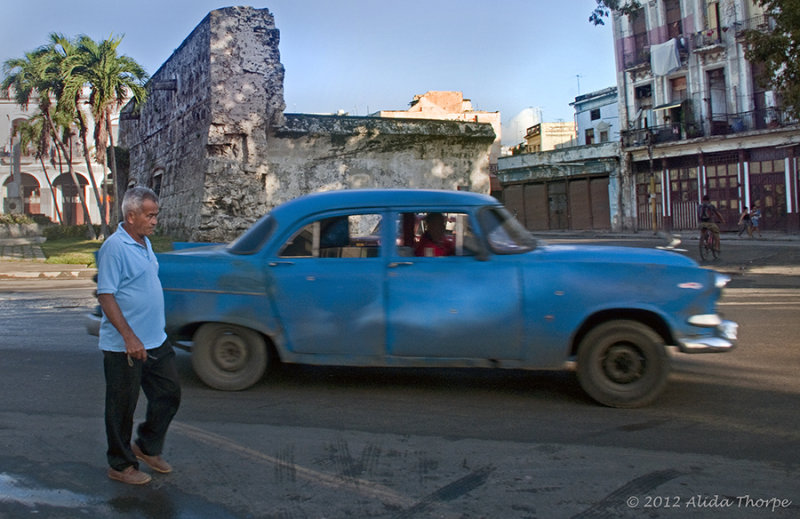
(134, 199)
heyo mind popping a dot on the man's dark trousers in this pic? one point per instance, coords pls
(158, 378)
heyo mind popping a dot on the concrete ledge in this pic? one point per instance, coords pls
(19, 230)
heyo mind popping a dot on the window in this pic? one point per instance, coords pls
(254, 238)
(674, 22)
(604, 136)
(435, 234)
(339, 236)
(504, 233)
(156, 182)
(589, 134)
(595, 114)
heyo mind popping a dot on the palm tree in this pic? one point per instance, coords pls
(35, 132)
(35, 73)
(67, 60)
(112, 79)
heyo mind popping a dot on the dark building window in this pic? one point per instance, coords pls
(595, 114)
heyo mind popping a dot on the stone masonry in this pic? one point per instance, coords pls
(213, 138)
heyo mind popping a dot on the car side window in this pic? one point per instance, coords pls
(504, 233)
(435, 234)
(340, 236)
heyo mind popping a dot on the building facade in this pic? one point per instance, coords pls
(44, 186)
(558, 181)
(597, 117)
(548, 136)
(695, 120)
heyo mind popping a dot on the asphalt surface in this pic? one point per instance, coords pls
(312, 445)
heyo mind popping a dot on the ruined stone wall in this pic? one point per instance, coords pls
(204, 126)
(215, 132)
(317, 153)
(169, 135)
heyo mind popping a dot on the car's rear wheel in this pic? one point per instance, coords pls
(623, 364)
(229, 357)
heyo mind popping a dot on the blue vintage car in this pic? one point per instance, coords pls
(340, 278)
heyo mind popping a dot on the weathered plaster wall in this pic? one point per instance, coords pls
(314, 153)
(215, 132)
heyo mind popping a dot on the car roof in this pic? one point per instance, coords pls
(379, 198)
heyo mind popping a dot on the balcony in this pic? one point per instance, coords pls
(761, 23)
(720, 124)
(661, 134)
(761, 119)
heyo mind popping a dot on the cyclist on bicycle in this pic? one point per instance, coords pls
(706, 213)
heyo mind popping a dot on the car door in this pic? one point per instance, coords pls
(455, 306)
(328, 287)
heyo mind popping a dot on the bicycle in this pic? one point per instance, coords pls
(707, 249)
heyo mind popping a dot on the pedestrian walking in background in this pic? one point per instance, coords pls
(755, 220)
(745, 223)
(136, 352)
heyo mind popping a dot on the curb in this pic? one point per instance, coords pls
(49, 275)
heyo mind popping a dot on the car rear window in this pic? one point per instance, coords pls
(339, 236)
(254, 238)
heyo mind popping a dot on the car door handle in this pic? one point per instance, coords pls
(396, 264)
(280, 263)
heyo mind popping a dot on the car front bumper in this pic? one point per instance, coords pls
(93, 321)
(722, 338)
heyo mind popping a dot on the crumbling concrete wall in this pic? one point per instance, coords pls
(315, 153)
(214, 138)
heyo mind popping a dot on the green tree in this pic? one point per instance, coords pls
(67, 59)
(35, 132)
(777, 48)
(606, 7)
(112, 79)
(36, 76)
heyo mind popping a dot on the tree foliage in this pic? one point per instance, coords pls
(605, 7)
(775, 46)
(60, 71)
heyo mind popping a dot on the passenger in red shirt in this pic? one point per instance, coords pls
(434, 242)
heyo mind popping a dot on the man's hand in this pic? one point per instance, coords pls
(135, 348)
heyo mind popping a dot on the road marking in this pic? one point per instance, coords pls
(787, 304)
(359, 486)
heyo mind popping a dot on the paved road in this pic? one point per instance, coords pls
(338, 442)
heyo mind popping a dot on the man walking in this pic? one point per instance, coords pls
(136, 352)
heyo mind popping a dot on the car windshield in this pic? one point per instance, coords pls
(254, 238)
(504, 233)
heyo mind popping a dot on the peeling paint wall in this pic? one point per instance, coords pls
(215, 132)
(316, 153)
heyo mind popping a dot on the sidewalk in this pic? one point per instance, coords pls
(22, 258)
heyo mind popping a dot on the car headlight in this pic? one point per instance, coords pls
(705, 320)
(720, 280)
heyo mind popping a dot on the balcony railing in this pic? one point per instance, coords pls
(761, 119)
(720, 124)
(757, 23)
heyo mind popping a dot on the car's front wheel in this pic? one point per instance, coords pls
(622, 364)
(229, 357)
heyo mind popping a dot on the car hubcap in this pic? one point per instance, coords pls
(623, 364)
(230, 352)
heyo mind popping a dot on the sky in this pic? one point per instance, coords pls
(361, 56)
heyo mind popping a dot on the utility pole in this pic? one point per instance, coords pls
(578, 77)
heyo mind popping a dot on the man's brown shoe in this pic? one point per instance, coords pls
(130, 475)
(156, 463)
